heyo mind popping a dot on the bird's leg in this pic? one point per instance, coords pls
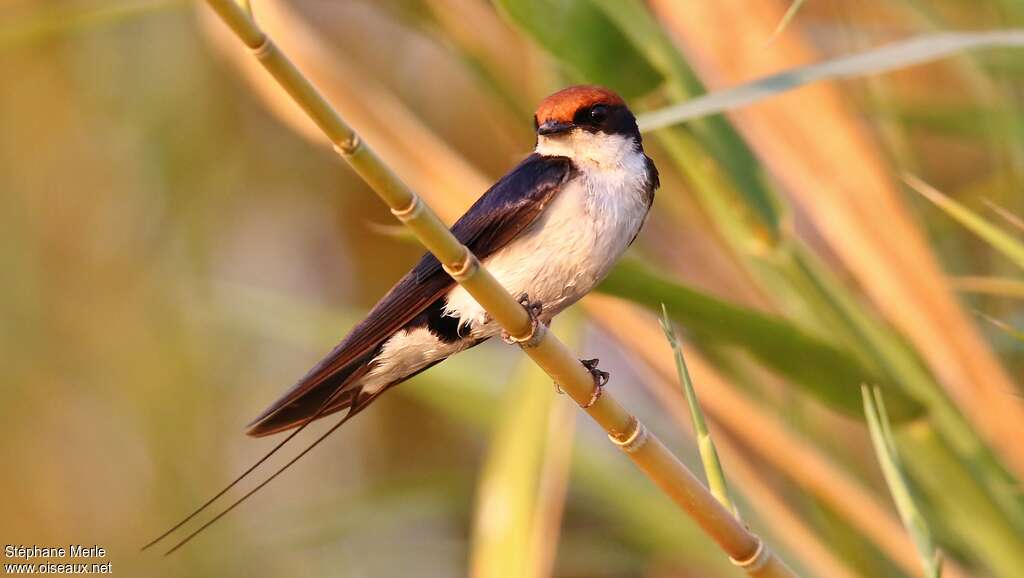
(600, 379)
(533, 309)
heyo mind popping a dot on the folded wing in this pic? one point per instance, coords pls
(496, 218)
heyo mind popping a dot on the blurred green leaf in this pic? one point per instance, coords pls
(706, 446)
(390, 231)
(68, 17)
(1015, 221)
(972, 121)
(508, 486)
(1003, 326)
(969, 515)
(583, 39)
(794, 7)
(715, 133)
(998, 239)
(903, 366)
(895, 56)
(1003, 287)
(892, 469)
(822, 369)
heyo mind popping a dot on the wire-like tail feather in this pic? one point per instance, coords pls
(354, 409)
(323, 408)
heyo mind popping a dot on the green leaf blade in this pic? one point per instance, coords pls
(585, 41)
(822, 369)
(998, 239)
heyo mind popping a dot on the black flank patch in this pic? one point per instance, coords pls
(653, 180)
(444, 327)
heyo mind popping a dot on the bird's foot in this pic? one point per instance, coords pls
(600, 380)
(600, 377)
(533, 309)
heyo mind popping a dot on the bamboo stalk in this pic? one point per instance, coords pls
(646, 450)
(1001, 287)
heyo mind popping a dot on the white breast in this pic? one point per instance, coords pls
(571, 246)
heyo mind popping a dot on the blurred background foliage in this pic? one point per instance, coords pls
(178, 245)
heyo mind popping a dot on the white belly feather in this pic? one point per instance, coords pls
(557, 260)
(562, 255)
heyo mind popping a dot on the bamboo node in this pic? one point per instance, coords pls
(757, 560)
(263, 49)
(411, 212)
(348, 146)
(634, 440)
(464, 269)
(536, 332)
(531, 339)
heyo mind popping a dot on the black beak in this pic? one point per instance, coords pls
(554, 127)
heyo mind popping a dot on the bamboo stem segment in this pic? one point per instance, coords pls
(744, 548)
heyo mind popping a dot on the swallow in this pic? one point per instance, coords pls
(549, 231)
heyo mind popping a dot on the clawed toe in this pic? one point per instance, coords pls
(600, 380)
(533, 309)
(600, 377)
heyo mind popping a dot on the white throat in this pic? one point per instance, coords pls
(596, 149)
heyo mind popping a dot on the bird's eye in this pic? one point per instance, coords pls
(598, 113)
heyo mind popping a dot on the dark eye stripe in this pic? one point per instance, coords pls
(616, 119)
(586, 116)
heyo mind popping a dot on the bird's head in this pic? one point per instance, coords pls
(588, 124)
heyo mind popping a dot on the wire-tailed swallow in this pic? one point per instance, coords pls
(551, 229)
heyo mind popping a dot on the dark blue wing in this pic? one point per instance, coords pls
(496, 218)
(505, 209)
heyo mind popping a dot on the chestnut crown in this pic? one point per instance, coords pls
(586, 107)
